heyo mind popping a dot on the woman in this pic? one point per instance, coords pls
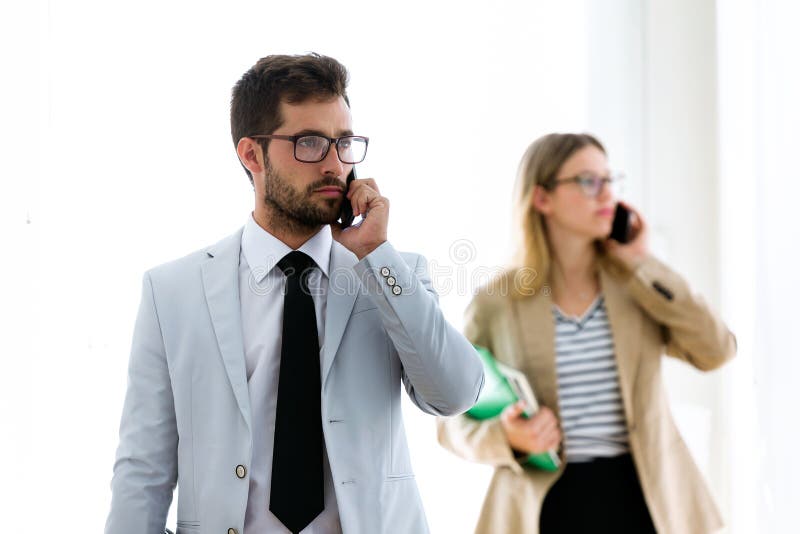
(587, 320)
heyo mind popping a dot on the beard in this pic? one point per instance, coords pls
(297, 209)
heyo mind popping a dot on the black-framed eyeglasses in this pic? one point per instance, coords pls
(313, 148)
(591, 184)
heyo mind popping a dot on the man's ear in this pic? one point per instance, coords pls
(251, 155)
(540, 200)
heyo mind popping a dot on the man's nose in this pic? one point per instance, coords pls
(331, 165)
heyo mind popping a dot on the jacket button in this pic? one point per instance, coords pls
(233, 531)
(385, 271)
(397, 290)
(391, 280)
(241, 471)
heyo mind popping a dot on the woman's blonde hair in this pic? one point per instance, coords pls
(539, 166)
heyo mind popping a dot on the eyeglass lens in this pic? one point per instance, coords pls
(314, 148)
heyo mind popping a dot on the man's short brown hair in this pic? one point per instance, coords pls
(256, 99)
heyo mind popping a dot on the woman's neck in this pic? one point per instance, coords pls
(573, 272)
(574, 256)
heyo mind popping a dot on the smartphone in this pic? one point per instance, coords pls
(346, 214)
(621, 227)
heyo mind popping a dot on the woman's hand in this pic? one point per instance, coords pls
(538, 434)
(634, 252)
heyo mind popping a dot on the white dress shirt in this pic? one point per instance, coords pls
(261, 287)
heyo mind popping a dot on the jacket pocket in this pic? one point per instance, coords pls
(402, 476)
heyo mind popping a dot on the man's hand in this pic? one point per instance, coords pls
(538, 434)
(374, 209)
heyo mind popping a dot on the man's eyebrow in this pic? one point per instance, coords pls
(310, 131)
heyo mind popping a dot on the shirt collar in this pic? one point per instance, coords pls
(263, 250)
(583, 319)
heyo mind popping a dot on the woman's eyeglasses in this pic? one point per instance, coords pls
(590, 184)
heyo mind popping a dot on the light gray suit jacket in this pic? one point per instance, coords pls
(186, 418)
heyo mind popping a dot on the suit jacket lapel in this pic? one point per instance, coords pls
(343, 288)
(536, 328)
(221, 284)
(625, 320)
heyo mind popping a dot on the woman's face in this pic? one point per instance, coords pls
(571, 206)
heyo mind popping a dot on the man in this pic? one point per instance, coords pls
(265, 370)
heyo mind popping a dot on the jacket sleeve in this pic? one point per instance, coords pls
(145, 470)
(441, 371)
(692, 331)
(477, 441)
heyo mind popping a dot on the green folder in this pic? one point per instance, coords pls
(503, 386)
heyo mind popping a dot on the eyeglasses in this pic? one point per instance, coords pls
(314, 148)
(591, 184)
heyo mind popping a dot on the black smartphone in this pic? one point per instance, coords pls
(621, 227)
(346, 214)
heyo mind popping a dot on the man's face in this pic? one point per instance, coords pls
(307, 193)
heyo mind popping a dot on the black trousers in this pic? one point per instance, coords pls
(603, 495)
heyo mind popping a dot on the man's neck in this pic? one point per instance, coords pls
(291, 232)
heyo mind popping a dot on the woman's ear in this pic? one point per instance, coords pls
(540, 200)
(250, 154)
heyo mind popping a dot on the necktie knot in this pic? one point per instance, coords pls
(296, 263)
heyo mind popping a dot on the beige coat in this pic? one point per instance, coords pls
(645, 323)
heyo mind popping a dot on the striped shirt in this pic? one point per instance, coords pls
(592, 416)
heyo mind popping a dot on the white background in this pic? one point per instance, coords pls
(115, 156)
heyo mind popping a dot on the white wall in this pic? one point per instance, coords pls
(682, 198)
(759, 113)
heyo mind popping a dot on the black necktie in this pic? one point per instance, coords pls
(296, 492)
